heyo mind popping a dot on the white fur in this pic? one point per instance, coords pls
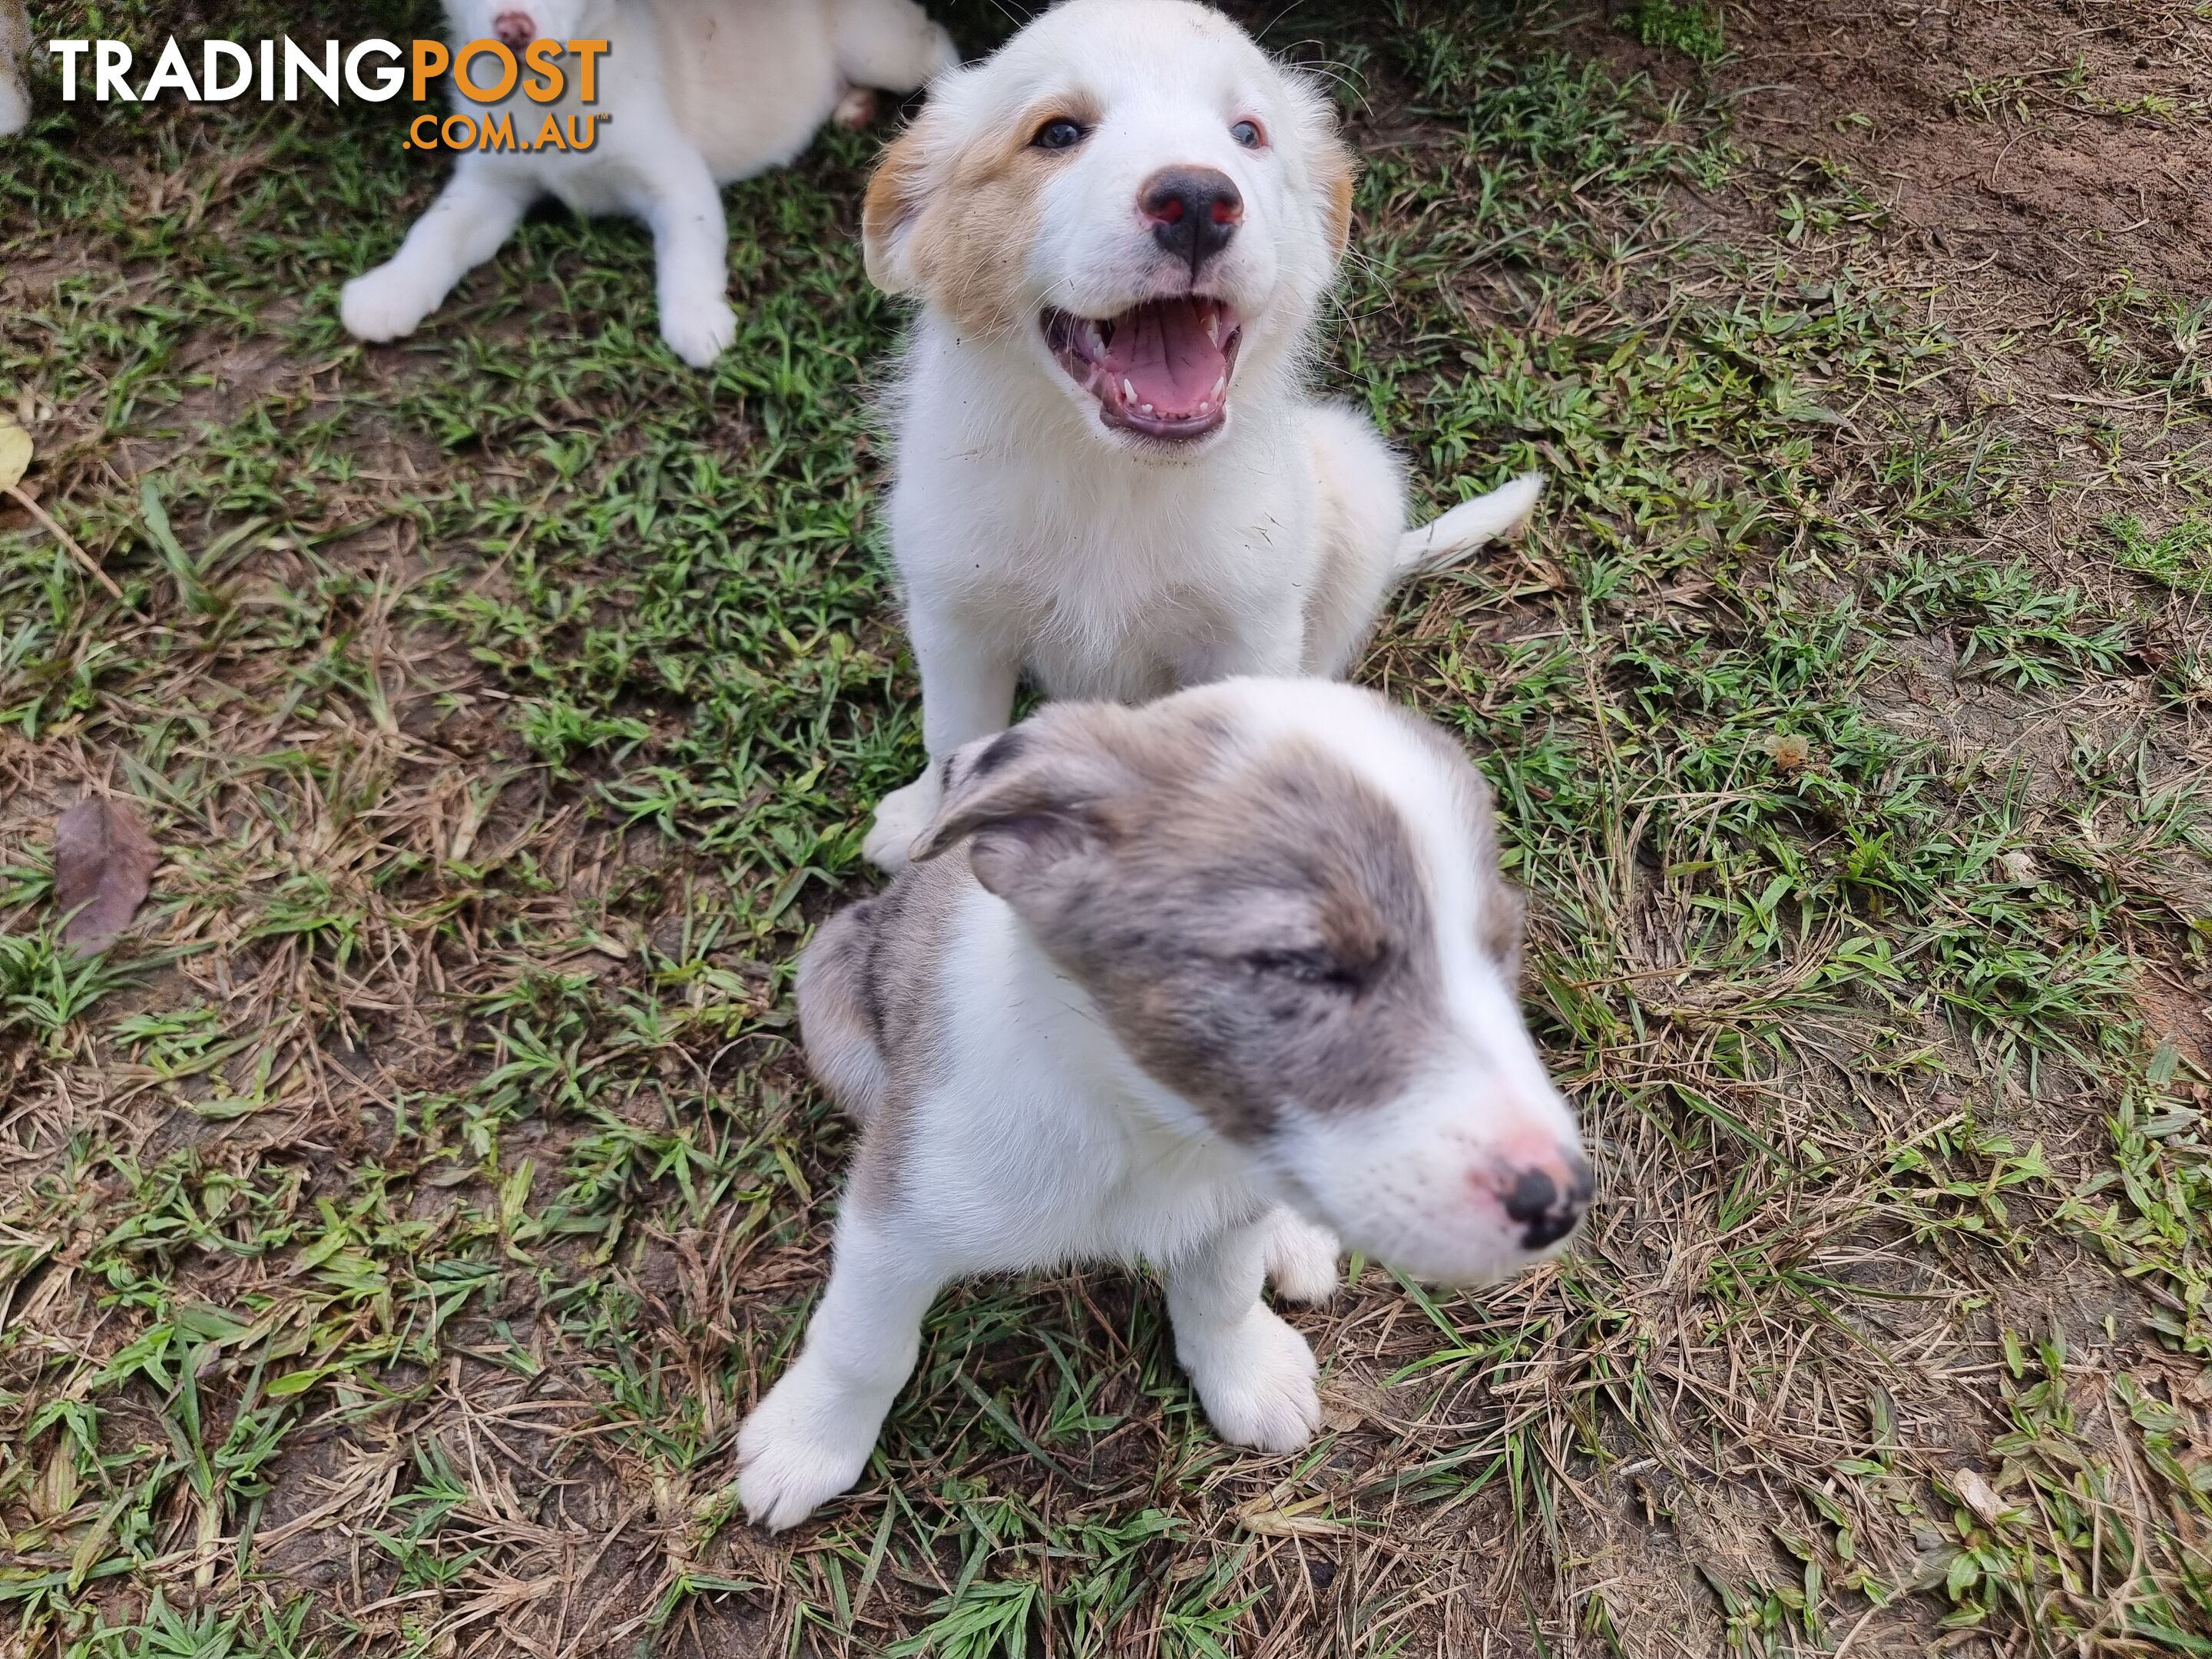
(1030, 538)
(1040, 1141)
(697, 92)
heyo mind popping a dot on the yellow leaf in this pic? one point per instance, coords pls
(1294, 1520)
(15, 452)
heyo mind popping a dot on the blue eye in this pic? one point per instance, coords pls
(1059, 133)
(1248, 134)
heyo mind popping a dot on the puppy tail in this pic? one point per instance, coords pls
(1444, 542)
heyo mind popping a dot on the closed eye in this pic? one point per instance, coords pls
(1306, 967)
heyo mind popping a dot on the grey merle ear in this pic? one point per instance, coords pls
(1031, 798)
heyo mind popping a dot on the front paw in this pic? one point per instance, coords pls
(383, 305)
(1257, 1384)
(1301, 1258)
(857, 110)
(901, 817)
(796, 1452)
(699, 332)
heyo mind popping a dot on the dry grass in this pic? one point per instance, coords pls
(394, 1229)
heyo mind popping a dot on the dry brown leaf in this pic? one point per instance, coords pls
(15, 451)
(104, 862)
(1978, 1495)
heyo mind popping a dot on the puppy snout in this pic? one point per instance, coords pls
(1193, 211)
(1545, 1200)
(514, 29)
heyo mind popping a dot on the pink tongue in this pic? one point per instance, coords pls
(1162, 350)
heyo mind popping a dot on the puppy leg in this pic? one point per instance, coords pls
(1361, 515)
(477, 211)
(810, 1439)
(691, 257)
(15, 70)
(833, 996)
(1301, 1257)
(1253, 1374)
(890, 44)
(857, 110)
(967, 692)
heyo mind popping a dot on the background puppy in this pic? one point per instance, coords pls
(15, 67)
(1121, 227)
(1207, 968)
(699, 93)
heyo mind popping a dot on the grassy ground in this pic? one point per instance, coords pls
(394, 1229)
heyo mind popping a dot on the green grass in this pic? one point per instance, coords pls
(1692, 29)
(396, 1228)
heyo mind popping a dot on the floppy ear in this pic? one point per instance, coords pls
(1028, 801)
(896, 192)
(1332, 174)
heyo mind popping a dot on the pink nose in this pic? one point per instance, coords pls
(514, 29)
(1544, 1195)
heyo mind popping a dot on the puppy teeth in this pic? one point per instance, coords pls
(1213, 327)
(1144, 409)
(1221, 386)
(1127, 391)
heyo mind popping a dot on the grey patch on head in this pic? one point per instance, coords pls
(1255, 926)
(872, 1017)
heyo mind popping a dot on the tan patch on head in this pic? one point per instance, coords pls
(895, 195)
(958, 229)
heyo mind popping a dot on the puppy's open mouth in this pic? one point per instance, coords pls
(1161, 370)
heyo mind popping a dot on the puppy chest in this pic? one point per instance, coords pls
(1158, 1220)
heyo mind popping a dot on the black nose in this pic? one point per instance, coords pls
(1546, 1213)
(1194, 211)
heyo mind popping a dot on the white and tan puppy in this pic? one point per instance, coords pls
(1110, 475)
(696, 93)
(15, 67)
(1188, 984)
